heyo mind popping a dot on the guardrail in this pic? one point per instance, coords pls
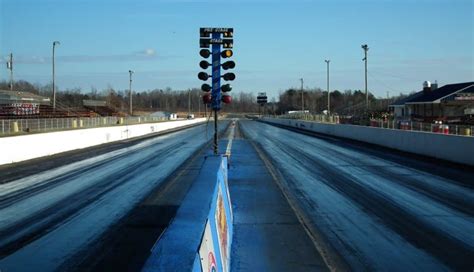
(18, 126)
(464, 130)
(30, 146)
(436, 145)
(200, 236)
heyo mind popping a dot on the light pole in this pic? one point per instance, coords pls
(329, 105)
(189, 102)
(366, 48)
(131, 73)
(10, 67)
(199, 106)
(54, 85)
(302, 96)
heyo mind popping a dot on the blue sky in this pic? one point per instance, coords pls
(276, 42)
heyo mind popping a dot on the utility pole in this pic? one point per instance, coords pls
(189, 102)
(54, 84)
(388, 99)
(329, 105)
(302, 96)
(131, 108)
(199, 106)
(366, 48)
(10, 66)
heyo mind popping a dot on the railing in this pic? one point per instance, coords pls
(464, 130)
(321, 118)
(22, 126)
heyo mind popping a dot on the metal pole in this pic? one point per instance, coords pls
(329, 103)
(302, 96)
(54, 86)
(215, 133)
(199, 106)
(189, 102)
(130, 88)
(11, 71)
(216, 85)
(366, 48)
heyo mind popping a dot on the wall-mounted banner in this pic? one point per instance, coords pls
(206, 251)
(214, 251)
(222, 229)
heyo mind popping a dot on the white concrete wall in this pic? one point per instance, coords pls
(25, 147)
(455, 148)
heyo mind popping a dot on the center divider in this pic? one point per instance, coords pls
(200, 236)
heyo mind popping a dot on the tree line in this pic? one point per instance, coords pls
(167, 99)
(348, 102)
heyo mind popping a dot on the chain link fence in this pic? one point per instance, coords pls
(23, 126)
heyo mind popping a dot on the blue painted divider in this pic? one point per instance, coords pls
(200, 236)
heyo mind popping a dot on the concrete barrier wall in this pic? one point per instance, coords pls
(454, 148)
(25, 147)
(200, 236)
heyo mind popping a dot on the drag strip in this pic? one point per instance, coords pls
(376, 212)
(48, 217)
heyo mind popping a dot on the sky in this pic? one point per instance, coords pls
(275, 42)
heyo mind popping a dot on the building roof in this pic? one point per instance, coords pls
(401, 102)
(7, 97)
(436, 95)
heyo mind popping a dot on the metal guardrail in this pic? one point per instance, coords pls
(22, 126)
(464, 130)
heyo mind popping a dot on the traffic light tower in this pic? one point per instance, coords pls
(262, 100)
(215, 94)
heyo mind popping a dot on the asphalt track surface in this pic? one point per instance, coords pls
(47, 217)
(372, 208)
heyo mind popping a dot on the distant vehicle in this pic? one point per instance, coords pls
(190, 116)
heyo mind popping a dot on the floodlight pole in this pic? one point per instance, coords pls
(189, 102)
(329, 105)
(366, 48)
(54, 84)
(10, 66)
(130, 88)
(302, 96)
(199, 106)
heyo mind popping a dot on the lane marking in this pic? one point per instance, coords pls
(230, 138)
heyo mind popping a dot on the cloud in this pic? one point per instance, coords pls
(148, 54)
(26, 59)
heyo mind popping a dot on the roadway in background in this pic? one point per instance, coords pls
(370, 207)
